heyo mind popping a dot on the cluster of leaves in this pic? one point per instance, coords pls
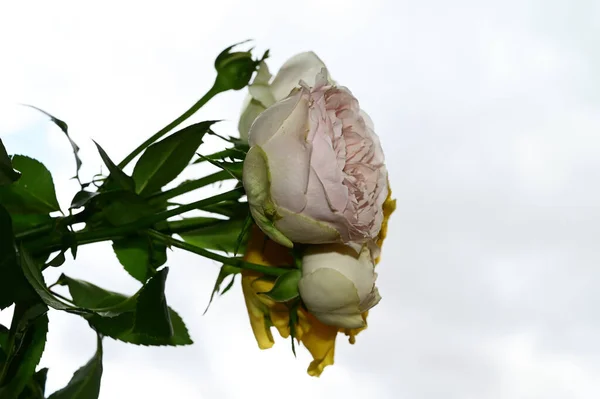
(135, 213)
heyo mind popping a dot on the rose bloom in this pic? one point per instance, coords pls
(315, 171)
(315, 174)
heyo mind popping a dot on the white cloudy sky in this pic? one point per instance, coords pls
(489, 115)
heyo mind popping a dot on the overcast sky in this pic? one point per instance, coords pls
(489, 115)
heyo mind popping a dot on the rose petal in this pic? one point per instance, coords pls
(303, 66)
(271, 120)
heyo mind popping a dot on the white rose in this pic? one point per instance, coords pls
(263, 92)
(337, 285)
(315, 172)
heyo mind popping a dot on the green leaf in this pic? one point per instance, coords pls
(231, 154)
(58, 260)
(28, 339)
(120, 326)
(286, 287)
(85, 383)
(233, 168)
(140, 256)
(244, 234)
(190, 224)
(116, 174)
(151, 313)
(90, 296)
(7, 173)
(13, 285)
(122, 207)
(33, 193)
(23, 222)
(165, 160)
(3, 345)
(81, 198)
(3, 337)
(65, 128)
(36, 386)
(233, 209)
(221, 236)
(226, 270)
(33, 274)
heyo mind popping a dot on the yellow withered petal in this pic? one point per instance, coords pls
(265, 313)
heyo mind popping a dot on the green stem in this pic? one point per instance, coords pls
(190, 224)
(168, 240)
(209, 94)
(64, 298)
(111, 233)
(37, 231)
(188, 186)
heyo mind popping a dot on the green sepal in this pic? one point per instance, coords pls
(116, 174)
(226, 270)
(285, 287)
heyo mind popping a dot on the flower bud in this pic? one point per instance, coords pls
(234, 69)
(338, 285)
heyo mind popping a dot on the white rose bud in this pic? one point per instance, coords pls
(338, 285)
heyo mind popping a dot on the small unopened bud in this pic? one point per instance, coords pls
(235, 69)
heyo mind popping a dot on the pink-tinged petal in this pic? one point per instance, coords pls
(272, 119)
(305, 230)
(318, 207)
(289, 159)
(367, 119)
(324, 162)
(303, 66)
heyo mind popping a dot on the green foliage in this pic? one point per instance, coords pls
(3, 345)
(220, 236)
(140, 256)
(122, 207)
(27, 341)
(244, 234)
(226, 270)
(82, 198)
(85, 383)
(13, 285)
(65, 129)
(36, 386)
(33, 193)
(233, 168)
(34, 276)
(116, 174)
(7, 173)
(24, 222)
(134, 322)
(165, 160)
(151, 313)
(231, 154)
(136, 215)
